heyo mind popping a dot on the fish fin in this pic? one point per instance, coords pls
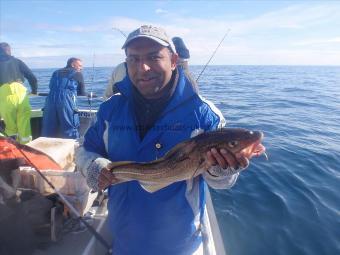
(151, 188)
(197, 169)
(194, 174)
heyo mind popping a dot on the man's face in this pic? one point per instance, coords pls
(150, 66)
(8, 51)
(78, 65)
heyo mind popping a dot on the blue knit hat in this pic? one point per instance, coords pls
(181, 49)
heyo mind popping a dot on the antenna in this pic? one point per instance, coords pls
(213, 54)
(93, 60)
(92, 81)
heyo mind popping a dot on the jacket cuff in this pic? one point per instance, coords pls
(219, 172)
(94, 170)
(219, 178)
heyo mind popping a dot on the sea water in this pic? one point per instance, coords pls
(289, 204)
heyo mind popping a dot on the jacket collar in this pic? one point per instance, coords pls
(5, 57)
(184, 90)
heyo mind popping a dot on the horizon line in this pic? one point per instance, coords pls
(195, 65)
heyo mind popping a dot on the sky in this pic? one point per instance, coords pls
(270, 32)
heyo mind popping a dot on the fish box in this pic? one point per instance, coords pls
(61, 150)
(72, 184)
(68, 183)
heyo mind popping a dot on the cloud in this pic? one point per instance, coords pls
(60, 46)
(292, 17)
(161, 11)
(319, 41)
(58, 61)
(70, 28)
(277, 36)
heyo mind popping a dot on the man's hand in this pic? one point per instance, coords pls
(225, 159)
(106, 178)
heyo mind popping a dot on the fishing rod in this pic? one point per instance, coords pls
(213, 54)
(69, 205)
(120, 31)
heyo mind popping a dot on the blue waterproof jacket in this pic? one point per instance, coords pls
(60, 117)
(167, 222)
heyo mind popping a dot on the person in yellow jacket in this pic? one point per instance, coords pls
(15, 109)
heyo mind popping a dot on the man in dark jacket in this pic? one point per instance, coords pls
(60, 118)
(14, 103)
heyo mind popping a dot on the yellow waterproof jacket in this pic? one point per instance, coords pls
(15, 110)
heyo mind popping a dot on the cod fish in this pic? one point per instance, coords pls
(187, 159)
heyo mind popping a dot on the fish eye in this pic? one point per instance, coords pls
(232, 144)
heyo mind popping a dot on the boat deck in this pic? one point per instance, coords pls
(79, 243)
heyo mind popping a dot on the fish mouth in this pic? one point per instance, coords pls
(259, 149)
(255, 149)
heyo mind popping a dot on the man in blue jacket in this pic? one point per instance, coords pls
(130, 127)
(60, 118)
